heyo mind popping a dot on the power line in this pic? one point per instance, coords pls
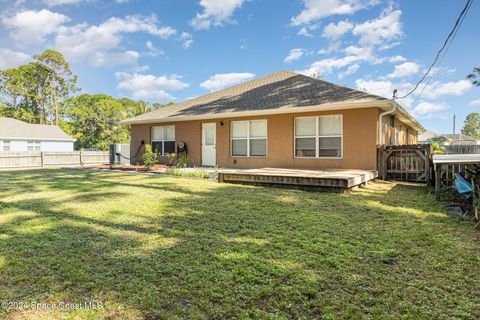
(443, 56)
(451, 35)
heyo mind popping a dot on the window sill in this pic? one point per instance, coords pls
(319, 158)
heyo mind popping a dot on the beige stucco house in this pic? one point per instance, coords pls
(283, 120)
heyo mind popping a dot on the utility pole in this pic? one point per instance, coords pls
(453, 137)
(454, 123)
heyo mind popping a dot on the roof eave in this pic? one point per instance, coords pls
(322, 107)
(386, 104)
(410, 119)
(33, 138)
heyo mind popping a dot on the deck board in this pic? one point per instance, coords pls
(320, 179)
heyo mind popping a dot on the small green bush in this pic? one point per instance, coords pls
(183, 160)
(149, 157)
(437, 148)
(171, 157)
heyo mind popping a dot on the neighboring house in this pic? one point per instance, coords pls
(428, 137)
(460, 139)
(447, 139)
(16, 135)
(280, 120)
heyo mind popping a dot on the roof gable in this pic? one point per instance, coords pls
(15, 129)
(279, 90)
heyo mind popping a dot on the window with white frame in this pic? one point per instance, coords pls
(249, 138)
(163, 139)
(6, 145)
(318, 137)
(33, 145)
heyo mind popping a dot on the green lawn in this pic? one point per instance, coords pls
(158, 247)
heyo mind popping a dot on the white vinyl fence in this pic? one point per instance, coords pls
(16, 159)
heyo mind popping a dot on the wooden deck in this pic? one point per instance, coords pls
(332, 180)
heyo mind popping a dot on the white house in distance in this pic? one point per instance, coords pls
(16, 135)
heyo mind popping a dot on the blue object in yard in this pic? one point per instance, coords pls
(463, 186)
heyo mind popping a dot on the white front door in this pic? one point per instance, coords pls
(208, 144)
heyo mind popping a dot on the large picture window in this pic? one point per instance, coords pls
(163, 139)
(318, 137)
(249, 138)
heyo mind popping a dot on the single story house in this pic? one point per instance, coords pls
(428, 137)
(282, 120)
(447, 139)
(16, 135)
(460, 139)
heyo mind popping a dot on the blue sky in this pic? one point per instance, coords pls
(170, 50)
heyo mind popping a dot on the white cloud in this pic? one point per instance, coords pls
(354, 55)
(222, 80)
(187, 40)
(215, 12)
(317, 9)
(328, 65)
(397, 58)
(405, 69)
(475, 103)
(373, 34)
(294, 55)
(442, 89)
(31, 27)
(385, 28)
(428, 109)
(433, 91)
(147, 86)
(109, 59)
(385, 89)
(336, 31)
(363, 54)
(99, 45)
(12, 59)
(382, 88)
(350, 70)
(87, 42)
(136, 23)
(52, 3)
(306, 30)
(152, 51)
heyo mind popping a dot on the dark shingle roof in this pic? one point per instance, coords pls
(15, 129)
(279, 90)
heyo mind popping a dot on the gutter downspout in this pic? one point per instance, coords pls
(380, 122)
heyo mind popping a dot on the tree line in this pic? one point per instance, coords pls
(45, 91)
(471, 125)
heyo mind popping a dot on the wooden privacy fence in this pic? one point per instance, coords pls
(405, 163)
(14, 159)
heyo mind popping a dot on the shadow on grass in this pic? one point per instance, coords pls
(225, 251)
